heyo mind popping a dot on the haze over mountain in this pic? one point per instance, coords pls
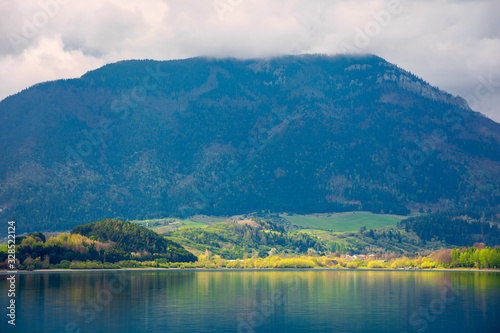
(144, 139)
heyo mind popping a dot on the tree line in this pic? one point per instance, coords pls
(454, 228)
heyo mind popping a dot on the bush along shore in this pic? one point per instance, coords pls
(460, 258)
(115, 244)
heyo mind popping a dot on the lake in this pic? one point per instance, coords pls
(255, 301)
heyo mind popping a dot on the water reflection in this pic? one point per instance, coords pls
(257, 301)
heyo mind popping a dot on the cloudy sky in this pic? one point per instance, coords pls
(452, 44)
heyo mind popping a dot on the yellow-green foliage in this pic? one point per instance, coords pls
(92, 265)
(352, 264)
(477, 258)
(73, 242)
(466, 257)
(30, 241)
(376, 264)
(295, 263)
(427, 263)
(402, 262)
(208, 261)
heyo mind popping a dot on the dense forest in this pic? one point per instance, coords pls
(454, 228)
(303, 134)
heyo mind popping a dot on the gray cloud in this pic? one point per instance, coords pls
(453, 44)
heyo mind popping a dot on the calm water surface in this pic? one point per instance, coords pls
(255, 301)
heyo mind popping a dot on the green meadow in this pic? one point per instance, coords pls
(344, 222)
(167, 224)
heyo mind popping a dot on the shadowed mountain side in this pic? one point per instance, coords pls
(144, 139)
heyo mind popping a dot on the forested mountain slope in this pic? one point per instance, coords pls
(142, 139)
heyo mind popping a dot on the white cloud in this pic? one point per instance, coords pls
(450, 43)
(47, 61)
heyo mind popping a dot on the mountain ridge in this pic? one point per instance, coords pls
(142, 138)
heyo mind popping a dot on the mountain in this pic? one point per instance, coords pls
(143, 139)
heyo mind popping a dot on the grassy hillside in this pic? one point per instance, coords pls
(169, 224)
(251, 236)
(238, 239)
(344, 222)
(383, 240)
(355, 232)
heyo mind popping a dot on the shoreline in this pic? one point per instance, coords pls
(73, 271)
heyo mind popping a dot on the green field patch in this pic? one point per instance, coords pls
(165, 224)
(344, 222)
(171, 223)
(3, 248)
(327, 236)
(205, 219)
(180, 225)
(192, 224)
